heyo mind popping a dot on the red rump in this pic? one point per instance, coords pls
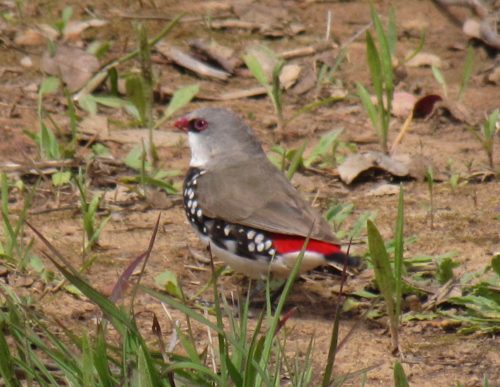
(290, 243)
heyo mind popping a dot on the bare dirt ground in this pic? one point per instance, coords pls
(466, 220)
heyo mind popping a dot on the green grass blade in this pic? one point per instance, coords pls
(256, 69)
(385, 53)
(101, 361)
(86, 364)
(296, 161)
(180, 99)
(369, 106)
(7, 363)
(400, 379)
(383, 277)
(375, 67)
(468, 67)
(392, 35)
(398, 252)
(325, 143)
(439, 77)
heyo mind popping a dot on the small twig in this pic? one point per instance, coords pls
(402, 132)
(328, 25)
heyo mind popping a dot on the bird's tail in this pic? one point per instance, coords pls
(340, 259)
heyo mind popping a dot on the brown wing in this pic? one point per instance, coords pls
(256, 194)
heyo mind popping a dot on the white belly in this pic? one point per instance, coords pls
(279, 267)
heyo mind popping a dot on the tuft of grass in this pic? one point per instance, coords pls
(91, 226)
(381, 72)
(30, 353)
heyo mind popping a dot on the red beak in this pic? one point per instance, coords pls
(182, 124)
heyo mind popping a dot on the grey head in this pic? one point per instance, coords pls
(218, 135)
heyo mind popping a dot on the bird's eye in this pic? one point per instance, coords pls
(198, 125)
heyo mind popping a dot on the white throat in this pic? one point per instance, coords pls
(200, 154)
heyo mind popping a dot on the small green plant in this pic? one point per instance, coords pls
(326, 72)
(325, 154)
(273, 87)
(381, 72)
(486, 135)
(389, 280)
(338, 213)
(89, 209)
(288, 161)
(66, 15)
(149, 176)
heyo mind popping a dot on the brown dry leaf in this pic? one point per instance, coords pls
(289, 75)
(74, 65)
(306, 82)
(471, 28)
(418, 165)
(456, 110)
(425, 59)
(494, 76)
(359, 163)
(223, 55)
(425, 106)
(402, 103)
(30, 37)
(187, 61)
(74, 28)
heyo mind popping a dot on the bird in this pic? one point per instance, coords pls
(240, 204)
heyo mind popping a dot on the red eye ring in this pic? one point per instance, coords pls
(199, 124)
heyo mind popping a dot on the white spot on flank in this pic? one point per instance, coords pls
(250, 234)
(259, 238)
(204, 229)
(195, 203)
(199, 213)
(195, 182)
(272, 252)
(227, 230)
(191, 193)
(260, 247)
(190, 203)
(193, 210)
(251, 247)
(268, 244)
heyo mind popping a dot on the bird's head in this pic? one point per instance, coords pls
(218, 135)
